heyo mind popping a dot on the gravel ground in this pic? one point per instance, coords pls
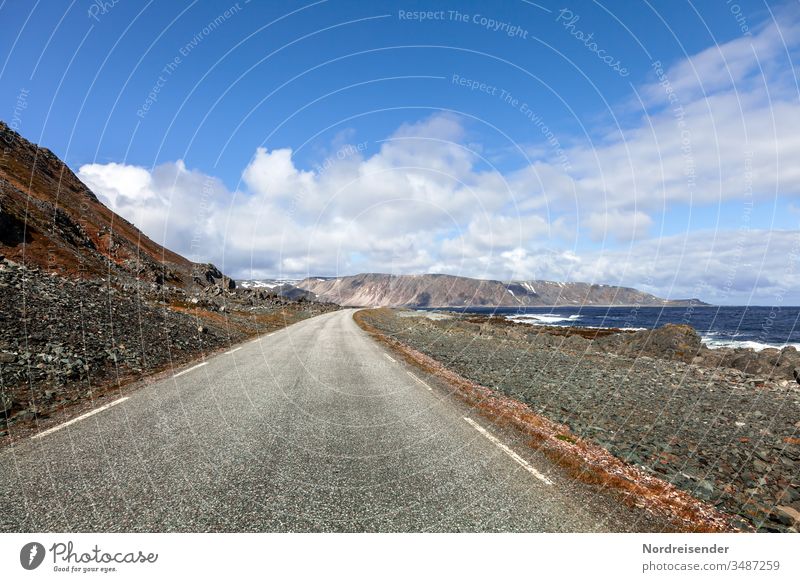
(725, 436)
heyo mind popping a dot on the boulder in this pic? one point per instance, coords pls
(769, 363)
(671, 342)
(746, 360)
(208, 275)
(786, 515)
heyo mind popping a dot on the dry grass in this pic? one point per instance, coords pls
(582, 459)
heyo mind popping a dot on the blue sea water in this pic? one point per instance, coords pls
(754, 327)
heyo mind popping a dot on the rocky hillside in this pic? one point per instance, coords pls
(282, 287)
(88, 303)
(49, 219)
(380, 290)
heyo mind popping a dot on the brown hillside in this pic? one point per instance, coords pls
(51, 220)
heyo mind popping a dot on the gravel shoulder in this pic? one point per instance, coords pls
(726, 437)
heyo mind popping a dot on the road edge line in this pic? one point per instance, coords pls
(508, 451)
(81, 417)
(420, 380)
(181, 373)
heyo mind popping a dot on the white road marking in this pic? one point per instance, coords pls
(190, 369)
(390, 357)
(234, 350)
(509, 452)
(258, 339)
(420, 380)
(81, 417)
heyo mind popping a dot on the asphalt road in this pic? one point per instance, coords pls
(313, 428)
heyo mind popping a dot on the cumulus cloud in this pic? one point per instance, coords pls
(390, 210)
(175, 206)
(274, 176)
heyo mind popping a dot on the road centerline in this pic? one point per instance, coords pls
(390, 357)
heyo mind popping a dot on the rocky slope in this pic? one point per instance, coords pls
(283, 287)
(64, 340)
(49, 219)
(726, 436)
(380, 290)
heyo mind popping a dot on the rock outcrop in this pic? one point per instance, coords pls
(671, 341)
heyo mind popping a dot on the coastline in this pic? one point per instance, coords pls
(720, 327)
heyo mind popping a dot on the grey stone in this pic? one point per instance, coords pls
(786, 515)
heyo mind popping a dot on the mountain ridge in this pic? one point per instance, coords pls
(442, 290)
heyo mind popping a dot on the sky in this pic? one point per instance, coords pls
(650, 144)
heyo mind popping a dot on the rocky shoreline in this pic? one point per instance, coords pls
(656, 399)
(65, 341)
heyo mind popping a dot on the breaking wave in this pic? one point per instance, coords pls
(542, 318)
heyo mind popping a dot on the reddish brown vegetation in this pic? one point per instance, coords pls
(51, 220)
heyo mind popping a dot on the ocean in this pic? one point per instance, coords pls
(747, 327)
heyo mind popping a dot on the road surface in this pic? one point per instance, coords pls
(313, 428)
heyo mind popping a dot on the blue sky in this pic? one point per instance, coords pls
(490, 139)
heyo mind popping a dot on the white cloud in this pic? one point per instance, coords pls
(739, 62)
(732, 128)
(118, 184)
(176, 207)
(716, 266)
(386, 211)
(274, 176)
